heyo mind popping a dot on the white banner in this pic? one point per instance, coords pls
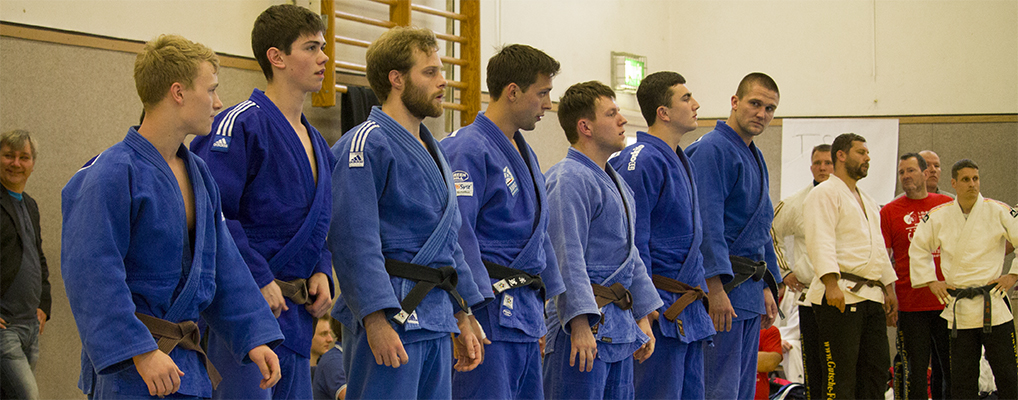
(799, 136)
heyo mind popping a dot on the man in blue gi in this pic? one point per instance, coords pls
(394, 234)
(668, 235)
(733, 188)
(145, 250)
(500, 189)
(602, 317)
(273, 169)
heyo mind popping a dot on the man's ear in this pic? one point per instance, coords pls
(512, 92)
(662, 114)
(735, 102)
(396, 79)
(583, 127)
(177, 92)
(275, 57)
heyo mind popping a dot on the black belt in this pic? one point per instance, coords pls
(969, 293)
(689, 294)
(427, 278)
(296, 290)
(860, 282)
(512, 278)
(186, 335)
(743, 269)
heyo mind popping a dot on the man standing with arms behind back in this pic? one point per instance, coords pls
(734, 195)
(25, 306)
(788, 221)
(274, 170)
(668, 235)
(850, 292)
(501, 195)
(921, 331)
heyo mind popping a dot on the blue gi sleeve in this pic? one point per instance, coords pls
(471, 161)
(551, 276)
(325, 261)
(238, 312)
(231, 169)
(712, 188)
(569, 223)
(771, 258)
(645, 296)
(95, 239)
(355, 232)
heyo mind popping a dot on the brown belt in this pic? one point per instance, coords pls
(185, 335)
(296, 290)
(860, 282)
(689, 295)
(616, 293)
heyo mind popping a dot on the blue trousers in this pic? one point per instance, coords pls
(605, 381)
(240, 381)
(674, 371)
(19, 349)
(427, 375)
(510, 371)
(730, 364)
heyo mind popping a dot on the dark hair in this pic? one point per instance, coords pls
(756, 78)
(279, 26)
(579, 102)
(843, 143)
(961, 164)
(655, 91)
(918, 158)
(394, 50)
(519, 64)
(820, 147)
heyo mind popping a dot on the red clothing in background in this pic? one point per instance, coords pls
(898, 220)
(770, 342)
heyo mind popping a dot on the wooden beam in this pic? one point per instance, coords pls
(399, 12)
(471, 50)
(326, 96)
(352, 42)
(364, 20)
(435, 11)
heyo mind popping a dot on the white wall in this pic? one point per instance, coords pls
(830, 58)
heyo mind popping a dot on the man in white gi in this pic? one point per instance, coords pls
(851, 291)
(971, 233)
(799, 325)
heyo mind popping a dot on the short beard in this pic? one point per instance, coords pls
(418, 103)
(855, 172)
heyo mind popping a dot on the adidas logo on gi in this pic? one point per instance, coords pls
(356, 159)
(221, 144)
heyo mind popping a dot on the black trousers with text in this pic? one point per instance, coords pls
(855, 350)
(814, 368)
(1000, 352)
(923, 341)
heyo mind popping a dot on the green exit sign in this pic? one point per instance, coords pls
(628, 71)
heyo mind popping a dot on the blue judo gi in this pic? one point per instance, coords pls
(668, 236)
(395, 199)
(126, 249)
(501, 195)
(329, 376)
(592, 230)
(734, 194)
(279, 217)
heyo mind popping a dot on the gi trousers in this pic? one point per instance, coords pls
(730, 363)
(510, 371)
(923, 341)
(814, 368)
(674, 371)
(855, 350)
(1000, 353)
(605, 381)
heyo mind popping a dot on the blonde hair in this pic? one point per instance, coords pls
(166, 60)
(16, 140)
